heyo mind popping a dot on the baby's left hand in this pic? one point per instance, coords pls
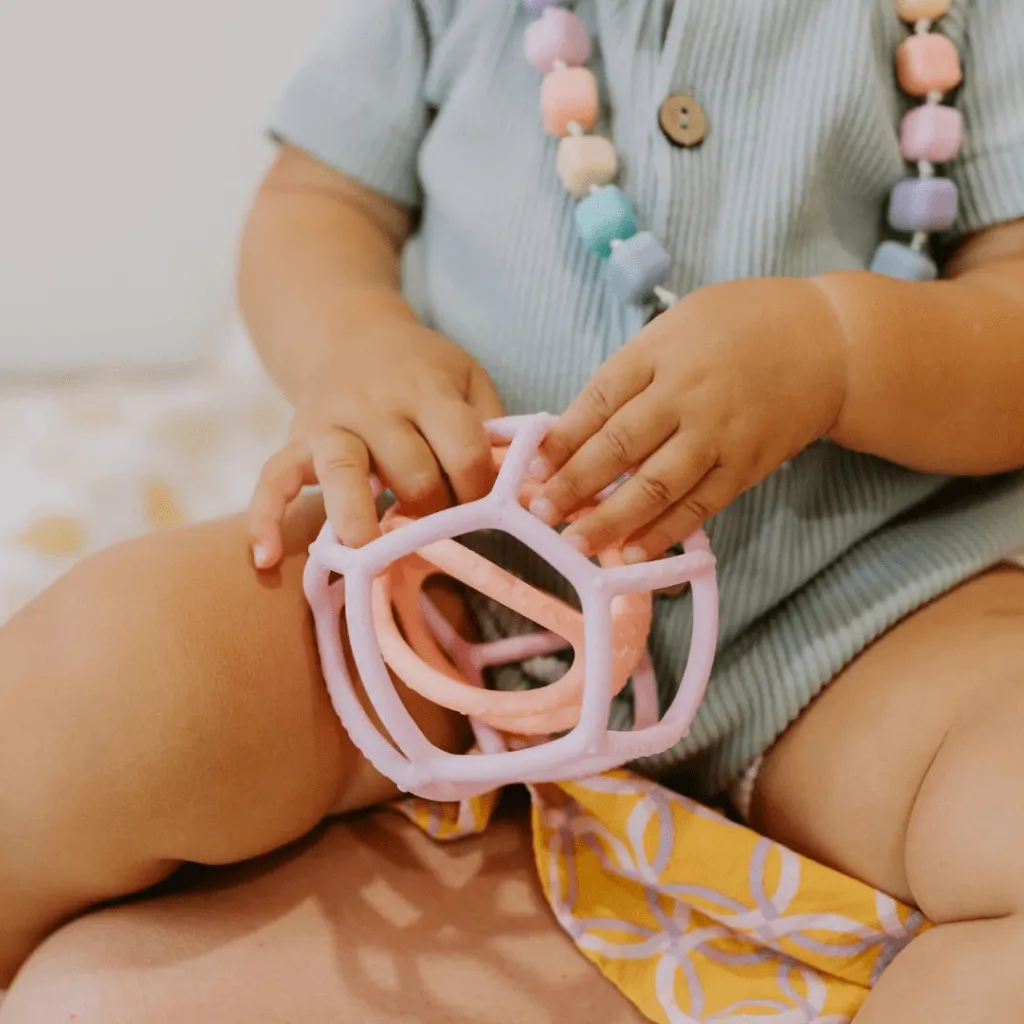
(708, 400)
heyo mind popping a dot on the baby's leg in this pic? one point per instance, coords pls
(163, 703)
(909, 773)
(368, 922)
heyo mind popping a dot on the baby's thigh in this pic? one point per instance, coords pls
(907, 771)
(165, 699)
(367, 921)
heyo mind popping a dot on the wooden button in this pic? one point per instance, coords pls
(683, 120)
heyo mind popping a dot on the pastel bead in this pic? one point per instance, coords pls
(585, 162)
(893, 259)
(924, 204)
(535, 8)
(566, 97)
(604, 217)
(928, 63)
(931, 132)
(636, 267)
(913, 11)
(558, 35)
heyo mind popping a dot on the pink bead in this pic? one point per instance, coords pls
(931, 132)
(566, 97)
(557, 35)
(928, 63)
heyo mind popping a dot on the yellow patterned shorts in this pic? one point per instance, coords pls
(693, 917)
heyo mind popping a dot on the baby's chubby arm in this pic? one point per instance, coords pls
(739, 377)
(935, 372)
(372, 388)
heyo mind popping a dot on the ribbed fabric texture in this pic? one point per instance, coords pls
(434, 104)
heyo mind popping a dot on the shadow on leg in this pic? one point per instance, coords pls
(369, 921)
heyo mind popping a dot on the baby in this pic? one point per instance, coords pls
(444, 237)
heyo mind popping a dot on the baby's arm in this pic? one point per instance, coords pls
(935, 372)
(373, 389)
(739, 377)
(319, 258)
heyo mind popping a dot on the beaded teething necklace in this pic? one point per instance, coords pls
(638, 265)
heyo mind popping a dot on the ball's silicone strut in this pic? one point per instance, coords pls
(392, 624)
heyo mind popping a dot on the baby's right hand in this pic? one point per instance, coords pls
(402, 402)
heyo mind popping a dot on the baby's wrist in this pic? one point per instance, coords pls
(343, 335)
(369, 310)
(830, 328)
(873, 326)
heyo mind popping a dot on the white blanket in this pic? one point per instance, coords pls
(85, 465)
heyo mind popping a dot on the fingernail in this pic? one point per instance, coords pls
(578, 542)
(634, 555)
(544, 510)
(540, 469)
(260, 556)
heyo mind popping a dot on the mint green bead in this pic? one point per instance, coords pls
(605, 216)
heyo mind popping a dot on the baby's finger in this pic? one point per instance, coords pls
(343, 468)
(457, 436)
(636, 430)
(717, 490)
(283, 475)
(483, 396)
(666, 477)
(620, 379)
(407, 465)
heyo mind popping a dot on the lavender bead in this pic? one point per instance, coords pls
(535, 8)
(924, 204)
(893, 259)
(636, 267)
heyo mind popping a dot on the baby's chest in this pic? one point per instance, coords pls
(758, 69)
(797, 101)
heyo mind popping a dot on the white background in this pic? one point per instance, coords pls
(130, 140)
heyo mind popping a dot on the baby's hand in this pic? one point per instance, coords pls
(708, 400)
(403, 403)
